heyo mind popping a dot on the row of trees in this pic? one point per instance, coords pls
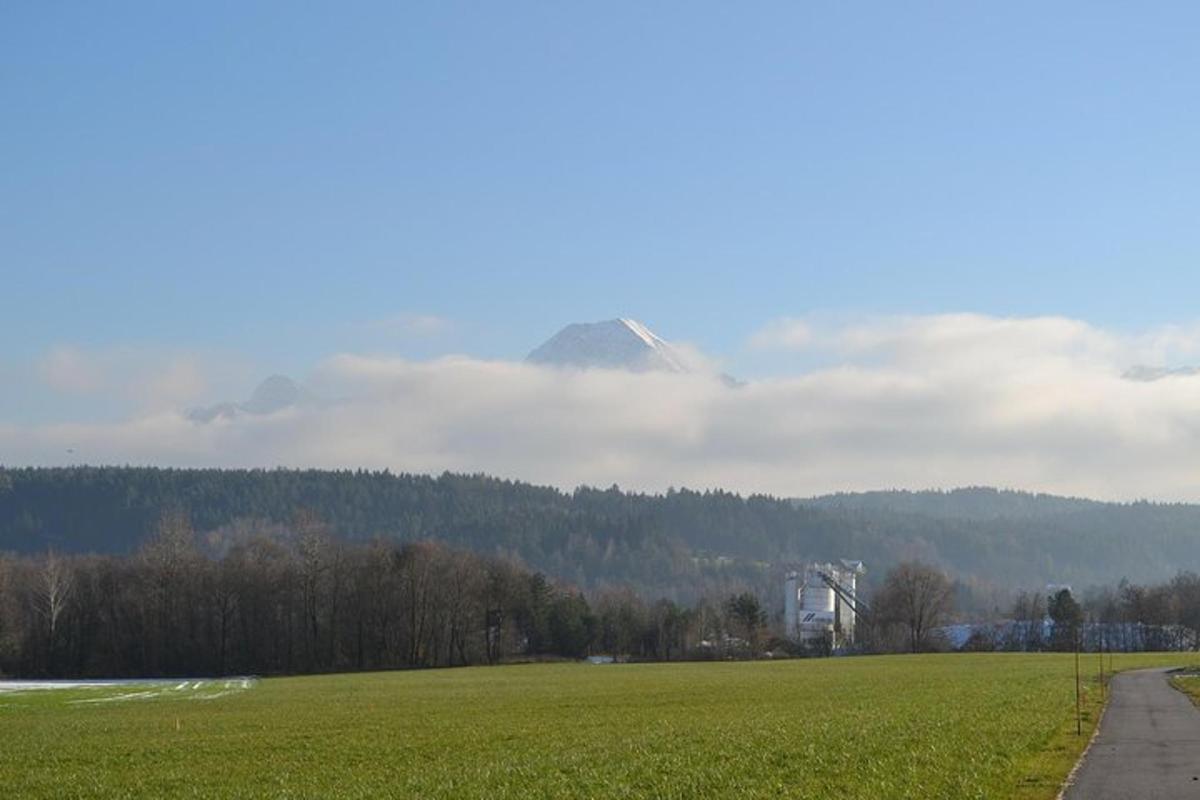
(1164, 616)
(297, 599)
(915, 604)
(300, 599)
(1126, 617)
(913, 609)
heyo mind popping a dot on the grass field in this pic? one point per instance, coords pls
(952, 726)
(1189, 684)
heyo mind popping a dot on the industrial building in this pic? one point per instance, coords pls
(821, 603)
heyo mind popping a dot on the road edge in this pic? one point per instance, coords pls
(1070, 779)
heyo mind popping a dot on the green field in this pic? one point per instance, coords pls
(953, 726)
(1189, 684)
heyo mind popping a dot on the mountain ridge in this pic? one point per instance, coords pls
(275, 393)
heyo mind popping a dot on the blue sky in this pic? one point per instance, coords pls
(260, 175)
(276, 183)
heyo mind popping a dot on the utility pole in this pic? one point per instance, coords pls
(1078, 704)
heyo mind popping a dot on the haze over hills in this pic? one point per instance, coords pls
(675, 544)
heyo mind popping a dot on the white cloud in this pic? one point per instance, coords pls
(946, 400)
(783, 334)
(69, 369)
(143, 378)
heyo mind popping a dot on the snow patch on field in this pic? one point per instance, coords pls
(137, 689)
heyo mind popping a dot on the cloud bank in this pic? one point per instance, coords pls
(916, 402)
(149, 379)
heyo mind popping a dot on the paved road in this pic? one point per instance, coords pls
(1148, 747)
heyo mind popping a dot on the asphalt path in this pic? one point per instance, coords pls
(1148, 747)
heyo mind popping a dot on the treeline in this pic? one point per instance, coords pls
(303, 600)
(1127, 617)
(300, 599)
(682, 544)
(914, 610)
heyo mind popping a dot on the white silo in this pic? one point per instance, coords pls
(817, 605)
(791, 596)
(847, 578)
(818, 595)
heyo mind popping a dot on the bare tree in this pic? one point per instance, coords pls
(414, 566)
(1185, 589)
(1028, 614)
(55, 584)
(8, 615)
(500, 600)
(170, 561)
(377, 589)
(671, 627)
(463, 579)
(315, 549)
(221, 591)
(918, 598)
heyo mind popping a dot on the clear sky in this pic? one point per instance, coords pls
(275, 183)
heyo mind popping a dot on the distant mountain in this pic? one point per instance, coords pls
(1146, 374)
(274, 394)
(612, 344)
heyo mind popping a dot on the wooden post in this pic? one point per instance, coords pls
(1078, 700)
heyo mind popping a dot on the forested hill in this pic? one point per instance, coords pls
(975, 503)
(673, 544)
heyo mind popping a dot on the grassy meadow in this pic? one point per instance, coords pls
(952, 726)
(1189, 684)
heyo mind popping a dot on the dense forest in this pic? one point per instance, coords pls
(679, 545)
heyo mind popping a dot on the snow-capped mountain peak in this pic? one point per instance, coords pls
(612, 344)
